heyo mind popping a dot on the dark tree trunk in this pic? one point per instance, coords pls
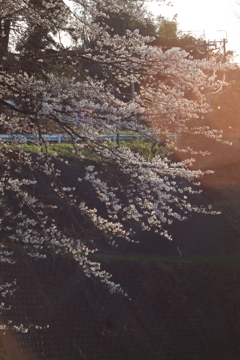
(4, 40)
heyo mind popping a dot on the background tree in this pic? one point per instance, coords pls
(168, 35)
(119, 22)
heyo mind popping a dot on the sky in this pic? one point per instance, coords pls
(206, 17)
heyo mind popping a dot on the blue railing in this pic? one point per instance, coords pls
(59, 138)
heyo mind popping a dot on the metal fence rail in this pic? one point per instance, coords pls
(59, 138)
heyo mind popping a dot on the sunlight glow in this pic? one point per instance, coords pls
(206, 18)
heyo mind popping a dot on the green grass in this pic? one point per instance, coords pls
(60, 149)
(143, 147)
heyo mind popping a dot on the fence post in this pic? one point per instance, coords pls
(118, 139)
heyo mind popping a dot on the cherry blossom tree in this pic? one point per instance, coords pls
(86, 68)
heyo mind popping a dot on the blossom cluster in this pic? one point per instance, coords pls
(90, 75)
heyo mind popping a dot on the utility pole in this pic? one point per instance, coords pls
(223, 42)
(212, 45)
(207, 46)
(224, 48)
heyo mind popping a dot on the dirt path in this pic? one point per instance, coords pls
(12, 349)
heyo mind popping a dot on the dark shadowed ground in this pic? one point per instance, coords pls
(184, 299)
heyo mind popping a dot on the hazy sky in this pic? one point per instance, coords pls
(207, 17)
